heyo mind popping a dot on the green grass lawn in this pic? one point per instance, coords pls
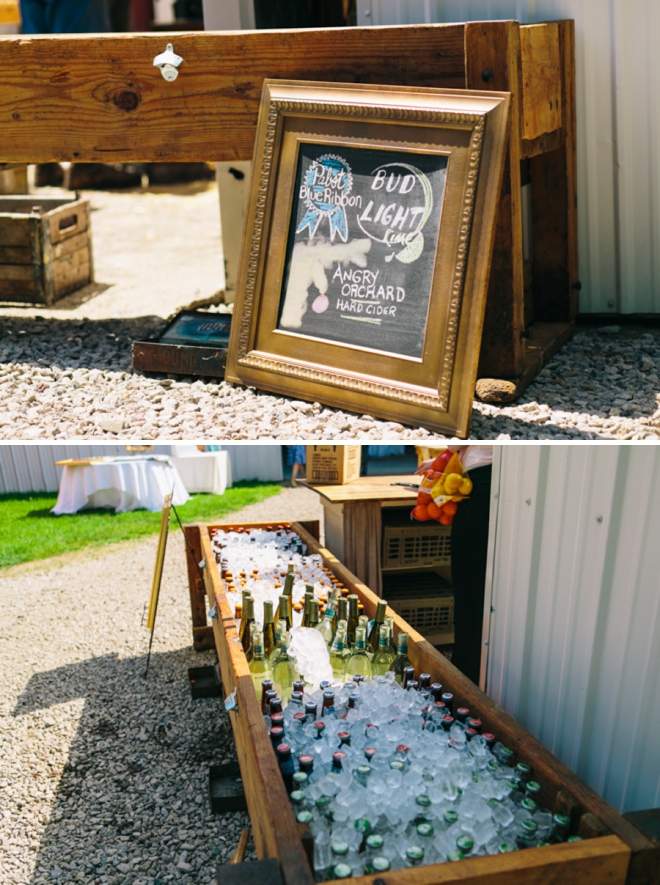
(29, 531)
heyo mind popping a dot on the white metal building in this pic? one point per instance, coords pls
(31, 468)
(574, 635)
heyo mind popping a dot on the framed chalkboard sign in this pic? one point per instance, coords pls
(367, 248)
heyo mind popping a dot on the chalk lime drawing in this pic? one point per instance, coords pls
(327, 193)
(391, 223)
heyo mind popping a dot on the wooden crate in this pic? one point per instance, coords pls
(112, 105)
(45, 247)
(613, 850)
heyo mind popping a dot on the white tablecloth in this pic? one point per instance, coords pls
(204, 471)
(122, 485)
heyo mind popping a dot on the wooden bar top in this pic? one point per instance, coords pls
(369, 488)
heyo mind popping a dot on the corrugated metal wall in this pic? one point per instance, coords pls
(25, 468)
(574, 644)
(618, 95)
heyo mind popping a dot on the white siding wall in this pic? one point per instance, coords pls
(25, 468)
(618, 96)
(574, 644)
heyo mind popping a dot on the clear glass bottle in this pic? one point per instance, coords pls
(389, 620)
(285, 671)
(260, 669)
(383, 660)
(280, 629)
(379, 619)
(337, 660)
(325, 627)
(359, 663)
(402, 660)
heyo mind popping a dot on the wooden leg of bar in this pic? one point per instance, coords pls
(554, 208)
(492, 60)
(201, 639)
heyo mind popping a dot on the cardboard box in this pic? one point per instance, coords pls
(333, 465)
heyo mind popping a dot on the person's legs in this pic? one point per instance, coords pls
(469, 546)
(34, 16)
(295, 470)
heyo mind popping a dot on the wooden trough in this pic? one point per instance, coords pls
(613, 851)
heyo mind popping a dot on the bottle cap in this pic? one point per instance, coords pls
(342, 871)
(283, 749)
(423, 800)
(402, 748)
(304, 817)
(465, 844)
(380, 864)
(415, 852)
(339, 847)
(375, 841)
(363, 825)
(305, 760)
(323, 801)
(298, 796)
(300, 778)
(338, 755)
(450, 816)
(506, 847)
(529, 826)
(424, 829)
(363, 770)
(455, 854)
(370, 752)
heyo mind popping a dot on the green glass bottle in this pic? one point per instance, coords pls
(313, 612)
(342, 610)
(260, 669)
(402, 660)
(383, 660)
(269, 629)
(285, 672)
(283, 611)
(337, 660)
(325, 627)
(352, 619)
(359, 664)
(379, 620)
(389, 620)
(246, 620)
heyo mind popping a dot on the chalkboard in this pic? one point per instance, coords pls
(361, 246)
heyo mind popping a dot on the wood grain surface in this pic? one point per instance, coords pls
(100, 99)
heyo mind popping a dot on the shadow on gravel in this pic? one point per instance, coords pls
(133, 792)
(74, 344)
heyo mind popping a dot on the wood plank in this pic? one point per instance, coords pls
(15, 255)
(494, 47)
(554, 207)
(17, 290)
(71, 244)
(68, 221)
(68, 278)
(541, 79)
(15, 272)
(369, 488)
(601, 859)
(14, 230)
(100, 99)
(152, 356)
(541, 145)
(596, 861)
(274, 826)
(195, 583)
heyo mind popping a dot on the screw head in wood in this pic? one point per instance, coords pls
(487, 76)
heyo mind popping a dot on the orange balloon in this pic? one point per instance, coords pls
(421, 513)
(446, 519)
(450, 508)
(433, 510)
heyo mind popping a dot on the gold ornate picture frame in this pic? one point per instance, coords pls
(367, 247)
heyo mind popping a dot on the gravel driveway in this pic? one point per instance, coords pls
(67, 379)
(103, 774)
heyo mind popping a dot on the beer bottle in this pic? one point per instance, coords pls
(285, 672)
(259, 666)
(269, 629)
(379, 619)
(359, 663)
(402, 660)
(383, 659)
(352, 618)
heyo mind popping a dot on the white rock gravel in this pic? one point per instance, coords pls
(103, 775)
(63, 379)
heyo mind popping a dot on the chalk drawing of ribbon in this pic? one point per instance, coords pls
(327, 180)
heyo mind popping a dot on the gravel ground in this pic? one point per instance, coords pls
(103, 775)
(67, 379)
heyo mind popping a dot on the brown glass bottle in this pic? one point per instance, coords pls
(248, 618)
(352, 618)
